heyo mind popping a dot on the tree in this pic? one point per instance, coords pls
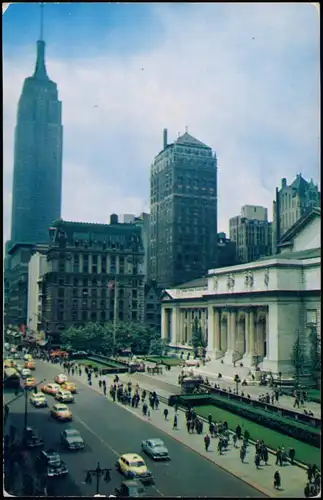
(298, 358)
(315, 355)
(197, 337)
(158, 347)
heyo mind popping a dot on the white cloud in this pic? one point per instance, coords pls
(244, 78)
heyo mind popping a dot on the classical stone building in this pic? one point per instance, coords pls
(291, 203)
(253, 313)
(183, 211)
(252, 233)
(87, 264)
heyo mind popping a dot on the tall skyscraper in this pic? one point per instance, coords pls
(37, 178)
(252, 233)
(291, 204)
(183, 204)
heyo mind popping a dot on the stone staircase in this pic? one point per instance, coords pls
(213, 368)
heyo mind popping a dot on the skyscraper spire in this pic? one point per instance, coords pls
(40, 70)
(41, 21)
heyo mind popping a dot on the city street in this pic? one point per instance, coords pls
(108, 431)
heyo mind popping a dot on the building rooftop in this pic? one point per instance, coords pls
(198, 282)
(301, 255)
(188, 139)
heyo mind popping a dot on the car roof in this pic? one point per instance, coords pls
(60, 405)
(70, 431)
(132, 456)
(156, 440)
(50, 451)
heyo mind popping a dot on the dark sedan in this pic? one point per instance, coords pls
(72, 439)
(130, 488)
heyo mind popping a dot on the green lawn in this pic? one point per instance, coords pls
(164, 360)
(87, 362)
(314, 395)
(304, 452)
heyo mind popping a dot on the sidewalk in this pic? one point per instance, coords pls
(293, 478)
(171, 377)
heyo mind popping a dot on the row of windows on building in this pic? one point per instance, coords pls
(93, 316)
(94, 282)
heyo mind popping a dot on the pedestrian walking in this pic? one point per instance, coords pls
(188, 426)
(209, 417)
(238, 431)
(243, 452)
(265, 455)
(277, 480)
(175, 422)
(307, 490)
(100, 384)
(235, 440)
(207, 441)
(291, 454)
(148, 414)
(220, 446)
(279, 460)
(296, 402)
(310, 473)
(166, 413)
(246, 437)
(257, 460)
(144, 409)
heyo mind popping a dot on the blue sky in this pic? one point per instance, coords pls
(244, 78)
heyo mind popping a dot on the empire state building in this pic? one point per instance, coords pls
(37, 178)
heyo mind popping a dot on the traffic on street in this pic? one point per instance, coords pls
(91, 429)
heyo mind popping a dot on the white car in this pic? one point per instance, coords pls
(64, 396)
(25, 372)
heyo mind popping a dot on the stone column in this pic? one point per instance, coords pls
(210, 325)
(164, 333)
(267, 336)
(246, 356)
(175, 325)
(229, 355)
(99, 264)
(217, 334)
(223, 327)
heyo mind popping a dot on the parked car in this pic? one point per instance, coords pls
(155, 448)
(130, 488)
(72, 439)
(50, 463)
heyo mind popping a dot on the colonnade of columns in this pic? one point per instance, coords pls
(233, 333)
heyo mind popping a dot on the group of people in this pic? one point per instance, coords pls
(313, 485)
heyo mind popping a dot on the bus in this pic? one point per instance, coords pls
(11, 378)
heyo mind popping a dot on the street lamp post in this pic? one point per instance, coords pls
(98, 473)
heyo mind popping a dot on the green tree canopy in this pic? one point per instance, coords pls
(100, 338)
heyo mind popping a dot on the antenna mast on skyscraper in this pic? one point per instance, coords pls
(41, 21)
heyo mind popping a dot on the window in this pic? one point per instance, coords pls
(75, 292)
(84, 292)
(61, 292)
(134, 315)
(74, 304)
(84, 315)
(93, 304)
(84, 304)
(103, 316)
(93, 316)
(74, 315)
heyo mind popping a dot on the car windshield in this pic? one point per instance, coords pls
(72, 433)
(61, 408)
(138, 463)
(39, 396)
(135, 490)
(156, 444)
(54, 460)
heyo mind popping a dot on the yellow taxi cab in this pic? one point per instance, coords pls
(9, 363)
(61, 412)
(133, 466)
(30, 383)
(31, 364)
(69, 386)
(38, 400)
(50, 388)
(61, 378)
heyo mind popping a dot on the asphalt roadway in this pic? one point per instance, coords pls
(109, 430)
